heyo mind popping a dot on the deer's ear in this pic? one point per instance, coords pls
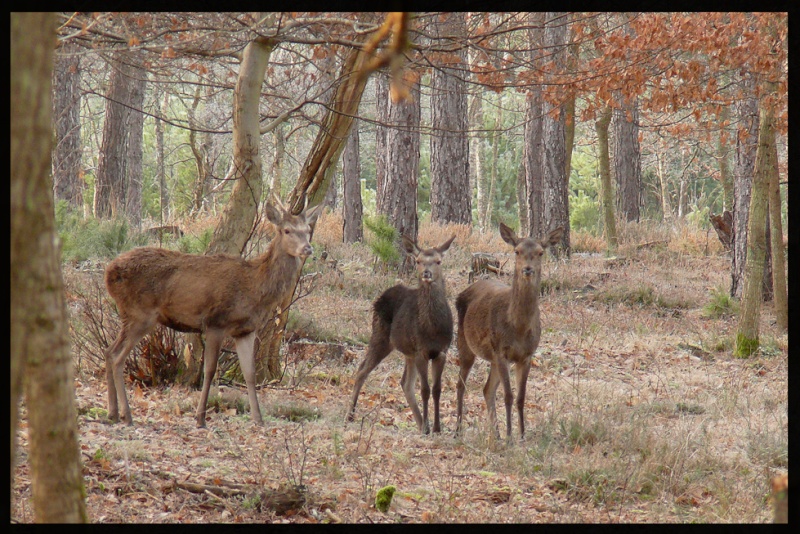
(311, 214)
(446, 245)
(275, 215)
(410, 246)
(508, 235)
(553, 237)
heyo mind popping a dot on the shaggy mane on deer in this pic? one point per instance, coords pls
(218, 295)
(418, 323)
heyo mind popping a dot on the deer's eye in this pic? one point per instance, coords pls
(438, 262)
(286, 231)
(516, 252)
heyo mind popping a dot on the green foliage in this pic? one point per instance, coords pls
(698, 217)
(584, 212)
(384, 498)
(82, 239)
(720, 305)
(196, 244)
(745, 346)
(383, 243)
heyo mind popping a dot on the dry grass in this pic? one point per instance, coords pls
(636, 410)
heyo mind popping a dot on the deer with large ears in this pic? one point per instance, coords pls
(219, 295)
(501, 324)
(418, 323)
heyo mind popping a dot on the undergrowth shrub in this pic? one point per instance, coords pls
(383, 242)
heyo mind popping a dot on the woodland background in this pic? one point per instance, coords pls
(631, 130)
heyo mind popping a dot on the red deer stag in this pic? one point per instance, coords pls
(501, 324)
(218, 294)
(418, 323)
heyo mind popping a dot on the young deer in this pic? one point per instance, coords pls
(418, 323)
(219, 295)
(501, 324)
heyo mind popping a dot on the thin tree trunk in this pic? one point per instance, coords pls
(399, 202)
(627, 161)
(532, 134)
(67, 174)
(746, 143)
(556, 190)
(666, 207)
(351, 189)
(606, 194)
(40, 345)
(780, 301)
(747, 336)
(276, 177)
(451, 197)
(134, 134)
(161, 170)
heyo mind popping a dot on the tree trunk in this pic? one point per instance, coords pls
(161, 169)
(485, 217)
(201, 159)
(451, 197)
(606, 194)
(666, 205)
(477, 178)
(627, 161)
(67, 172)
(40, 344)
(382, 118)
(351, 189)
(556, 186)
(399, 199)
(134, 134)
(532, 134)
(746, 142)
(236, 222)
(276, 177)
(110, 179)
(776, 241)
(312, 185)
(747, 335)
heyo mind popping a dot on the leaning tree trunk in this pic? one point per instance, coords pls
(607, 195)
(776, 242)
(40, 346)
(310, 189)
(67, 176)
(747, 335)
(451, 196)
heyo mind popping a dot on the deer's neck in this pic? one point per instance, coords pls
(432, 304)
(523, 306)
(277, 271)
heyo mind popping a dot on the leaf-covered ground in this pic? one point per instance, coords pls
(636, 412)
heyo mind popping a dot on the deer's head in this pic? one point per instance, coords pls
(294, 231)
(429, 260)
(529, 251)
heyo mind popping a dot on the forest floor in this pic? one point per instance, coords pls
(636, 413)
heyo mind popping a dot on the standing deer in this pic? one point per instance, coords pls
(501, 324)
(218, 294)
(418, 323)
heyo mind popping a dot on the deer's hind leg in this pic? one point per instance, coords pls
(466, 359)
(210, 355)
(378, 349)
(409, 383)
(116, 354)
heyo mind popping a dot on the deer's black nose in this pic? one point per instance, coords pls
(427, 275)
(527, 271)
(307, 251)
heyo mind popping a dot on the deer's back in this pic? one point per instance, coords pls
(483, 319)
(183, 291)
(410, 330)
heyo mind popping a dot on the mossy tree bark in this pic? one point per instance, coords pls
(747, 335)
(607, 195)
(40, 345)
(780, 301)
